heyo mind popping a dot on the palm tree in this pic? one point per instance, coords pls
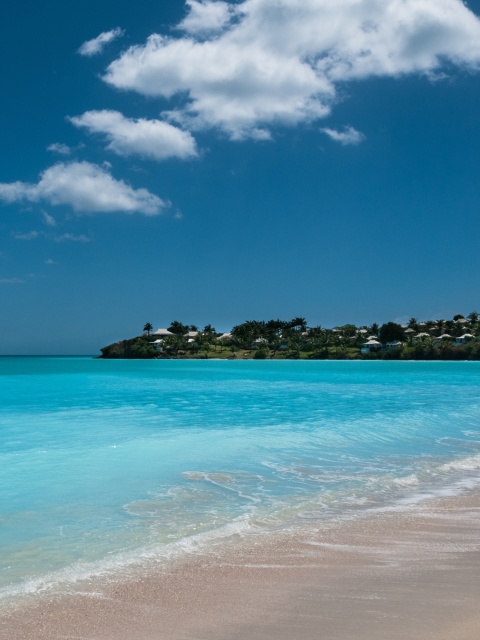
(178, 328)
(208, 329)
(175, 343)
(440, 327)
(248, 332)
(322, 341)
(204, 340)
(148, 327)
(298, 323)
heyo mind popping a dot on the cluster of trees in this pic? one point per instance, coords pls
(183, 341)
(138, 348)
(295, 339)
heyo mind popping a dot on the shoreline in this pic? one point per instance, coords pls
(395, 574)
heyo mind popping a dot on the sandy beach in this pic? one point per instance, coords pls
(408, 574)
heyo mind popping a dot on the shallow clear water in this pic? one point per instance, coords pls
(102, 462)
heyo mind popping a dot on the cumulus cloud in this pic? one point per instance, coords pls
(281, 62)
(96, 46)
(86, 187)
(349, 136)
(207, 16)
(149, 138)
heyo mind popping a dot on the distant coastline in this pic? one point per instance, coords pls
(455, 339)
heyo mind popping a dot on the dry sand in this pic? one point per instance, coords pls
(389, 576)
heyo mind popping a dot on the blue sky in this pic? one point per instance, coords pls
(214, 162)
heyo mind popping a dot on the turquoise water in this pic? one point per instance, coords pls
(105, 462)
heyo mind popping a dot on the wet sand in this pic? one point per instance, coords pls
(396, 575)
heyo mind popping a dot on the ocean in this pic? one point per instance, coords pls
(105, 465)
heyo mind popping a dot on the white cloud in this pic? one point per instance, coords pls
(29, 235)
(349, 136)
(281, 62)
(96, 46)
(50, 261)
(150, 138)
(64, 237)
(231, 85)
(87, 188)
(48, 219)
(11, 281)
(60, 148)
(72, 237)
(207, 16)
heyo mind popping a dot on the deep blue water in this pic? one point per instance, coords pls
(104, 461)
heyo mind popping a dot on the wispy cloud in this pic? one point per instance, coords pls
(49, 261)
(64, 237)
(72, 237)
(11, 281)
(349, 135)
(60, 148)
(87, 188)
(48, 220)
(96, 45)
(29, 235)
(149, 138)
(227, 70)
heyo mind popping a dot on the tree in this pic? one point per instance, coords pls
(148, 327)
(178, 328)
(440, 327)
(300, 324)
(274, 334)
(209, 329)
(321, 341)
(248, 332)
(294, 342)
(175, 343)
(391, 331)
(261, 354)
(374, 329)
(348, 330)
(204, 340)
(351, 335)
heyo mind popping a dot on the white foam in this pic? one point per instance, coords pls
(407, 481)
(471, 463)
(123, 562)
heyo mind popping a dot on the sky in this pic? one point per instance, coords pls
(217, 162)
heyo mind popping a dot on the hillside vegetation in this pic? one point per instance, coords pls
(455, 339)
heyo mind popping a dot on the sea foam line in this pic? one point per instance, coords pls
(110, 568)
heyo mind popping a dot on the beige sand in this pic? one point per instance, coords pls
(390, 576)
